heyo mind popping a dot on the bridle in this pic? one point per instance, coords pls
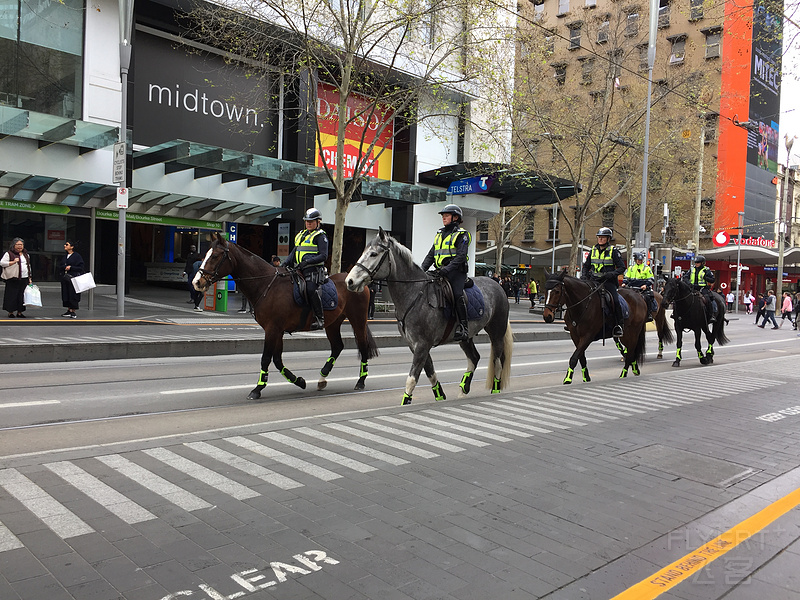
(372, 272)
(689, 294)
(560, 283)
(215, 276)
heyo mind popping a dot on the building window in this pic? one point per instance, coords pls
(643, 57)
(482, 229)
(552, 228)
(549, 42)
(695, 10)
(574, 36)
(608, 216)
(563, 8)
(528, 235)
(632, 24)
(591, 3)
(602, 30)
(663, 14)
(587, 66)
(538, 12)
(560, 73)
(711, 128)
(713, 42)
(41, 56)
(678, 51)
(707, 216)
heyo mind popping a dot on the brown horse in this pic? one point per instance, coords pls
(585, 321)
(665, 334)
(270, 293)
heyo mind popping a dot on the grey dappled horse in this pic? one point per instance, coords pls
(423, 326)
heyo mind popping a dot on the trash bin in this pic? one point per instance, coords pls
(221, 304)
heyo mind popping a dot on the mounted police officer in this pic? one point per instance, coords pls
(309, 255)
(640, 276)
(700, 277)
(604, 265)
(449, 255)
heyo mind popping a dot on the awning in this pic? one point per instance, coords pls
(49, 129)
(511, 186)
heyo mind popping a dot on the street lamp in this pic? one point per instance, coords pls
(781, 225)
(125, 27)
(555, 224)
(651, 58)
(739, 263)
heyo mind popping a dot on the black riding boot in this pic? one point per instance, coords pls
(620, 321)
(315, 298)
(462, 327)
(713, 318)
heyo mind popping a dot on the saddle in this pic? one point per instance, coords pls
(330, 297)
(649, 299)
(608, 304)
(440, 295)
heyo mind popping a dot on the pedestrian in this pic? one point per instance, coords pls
(796, 310)
(747, 300)
(517, 291)
(189, 271)
(759, 303)
(197, 297)
(373, 291)
(730, 299)
(533, 291)
(786, 308)
(16, 266)
(71, 266)
(769, 310)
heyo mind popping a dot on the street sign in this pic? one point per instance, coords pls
(122, 197)
(119, 162)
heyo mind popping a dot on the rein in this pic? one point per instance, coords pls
(581, 301)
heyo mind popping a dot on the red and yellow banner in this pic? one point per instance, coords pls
(367, 122)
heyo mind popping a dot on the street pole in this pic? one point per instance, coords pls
(125, 27)
(698, 201)
(555, 224)
(781, 225)
(739, 262)
(651, 58)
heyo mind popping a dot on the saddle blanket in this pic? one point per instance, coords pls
(330, 299)
(608, 307)
(475, 304)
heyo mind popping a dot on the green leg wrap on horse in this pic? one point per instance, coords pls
(678, 354)
(466, 381)
(364, 369)
(635, 368)
(262, 378)
(438, 392)
(568, 377)
(290, 377)
(496, 385)
(406, 400)
(328, 366)
(585, 372)
(624, 374)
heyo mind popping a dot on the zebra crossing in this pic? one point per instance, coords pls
(192, 476)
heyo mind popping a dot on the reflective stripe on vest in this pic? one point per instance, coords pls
(305, 244)
(601, 258)
(698, 277)
(445, 247)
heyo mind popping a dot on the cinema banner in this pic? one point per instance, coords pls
(360, 132)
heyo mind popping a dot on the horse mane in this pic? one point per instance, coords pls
(404, 254)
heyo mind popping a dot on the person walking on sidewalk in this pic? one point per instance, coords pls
(71, 265)
(786, 308)
(747, 300)
(16, 266)
(189, 272)
(759, 304)
(769, 310)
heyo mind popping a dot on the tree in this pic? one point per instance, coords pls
(378, 68)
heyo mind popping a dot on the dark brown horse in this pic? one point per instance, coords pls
(270, 293)
(584, 318)
(663, 330)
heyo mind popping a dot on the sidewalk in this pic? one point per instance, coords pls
(159, 322)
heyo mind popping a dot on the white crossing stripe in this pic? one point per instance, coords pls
(321, 452)
(8, 541)
(533, 410)
(531, 403)
(62, 521)
(108, 497)
(244, 465)
(602, 400)
(353, 446)
(410, 436)
(442, 423)
(450, 436)
(201, 473)
(568, 411)
(489, 408)
(158, 485)
(473, 409)
(291, 461)
(648, 403)
(382, 440)
(483, 423)
(576, 400)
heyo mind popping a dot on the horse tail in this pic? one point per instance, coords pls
(505, 373)
(638, 351)
(719, 329)
(372, 345)
(662, 325)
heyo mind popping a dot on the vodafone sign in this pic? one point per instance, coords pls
(721, 238)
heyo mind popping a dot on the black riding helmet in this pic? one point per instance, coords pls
(454, 210)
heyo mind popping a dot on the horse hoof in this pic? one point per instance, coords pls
(406, 400)
(301, 383)
(703, 360)
(567, 382)
(360, 385)
(461, 393)
(677, 363)
(660, 356)
(322, 384)
(254, 395)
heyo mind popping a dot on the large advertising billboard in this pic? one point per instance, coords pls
(367, 122)
(181, 93)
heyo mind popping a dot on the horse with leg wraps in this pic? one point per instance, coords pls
(586, 323)
(269, 291)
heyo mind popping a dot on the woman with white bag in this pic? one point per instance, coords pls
(16, 265)
(71, 266)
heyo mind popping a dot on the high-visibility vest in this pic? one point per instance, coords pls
(305, 244)
(637, 271)
(601, 258)
(698, 276)
(444, 247)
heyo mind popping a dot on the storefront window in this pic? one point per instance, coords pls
(41, 56)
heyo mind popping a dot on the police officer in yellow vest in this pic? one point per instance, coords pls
(700, 277)
(604, 265)
(309, 255)
(640, 276)
(449, 255)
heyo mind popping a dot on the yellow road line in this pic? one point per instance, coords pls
(683, 568)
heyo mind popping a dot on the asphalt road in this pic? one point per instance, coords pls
(155, 478)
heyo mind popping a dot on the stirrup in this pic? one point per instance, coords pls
(618, 332)
(317, 324)
(461, 333)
